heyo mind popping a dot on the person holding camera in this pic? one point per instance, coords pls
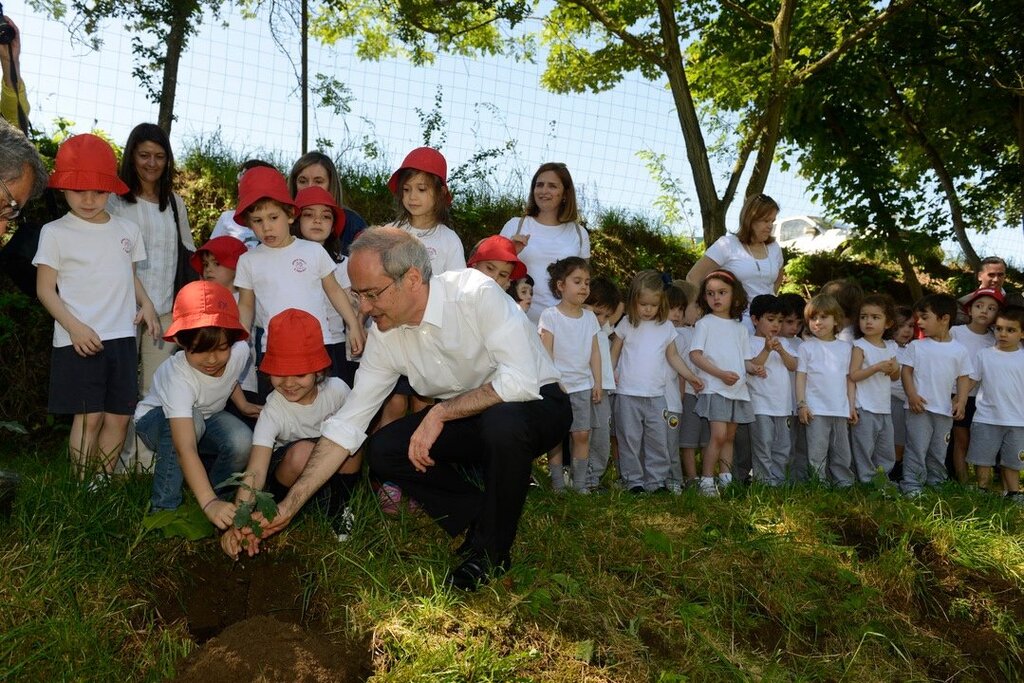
(13, 100)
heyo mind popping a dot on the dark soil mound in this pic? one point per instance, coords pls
(265, 649)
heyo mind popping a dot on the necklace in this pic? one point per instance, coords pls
(757, 259)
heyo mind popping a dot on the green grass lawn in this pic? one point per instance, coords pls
(804, 584)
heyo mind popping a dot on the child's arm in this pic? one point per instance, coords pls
(682, 369)
(339, 299)
(548, 340)
(914, 399)
(183, 436)
(698, 359)
(595, 370)
(246, 307)
(851, 397)
(788, 359)
(963, 390)
(858, 373)
(762, 357)
(147, 312)
(616, 350)
(242, 403)
(83, 338)
(803, 410)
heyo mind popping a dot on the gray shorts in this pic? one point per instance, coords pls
(996, 444)
(581, 403)
(716, 408)
(899, 422)
(694, 431)
(872, 445)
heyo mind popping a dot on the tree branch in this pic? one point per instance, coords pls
(595, 10)
(746, 14)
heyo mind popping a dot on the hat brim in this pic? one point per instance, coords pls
(193, 322)
(83, 181)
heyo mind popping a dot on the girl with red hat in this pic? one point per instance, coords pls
(289, 426)
(184, 415)
(85, 277)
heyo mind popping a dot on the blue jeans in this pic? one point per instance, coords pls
(222, 438)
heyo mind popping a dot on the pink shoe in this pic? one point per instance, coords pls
(389, 496)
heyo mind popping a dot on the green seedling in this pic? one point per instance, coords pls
(260, 501)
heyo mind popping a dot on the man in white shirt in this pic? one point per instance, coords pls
(459, 338)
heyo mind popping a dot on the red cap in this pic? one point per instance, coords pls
(204, 304)
(498, 248)
(86, 162)
(428, 160)
(261, 183)
(984, 291)
(295, 345)
(314, 195)
(225, 249)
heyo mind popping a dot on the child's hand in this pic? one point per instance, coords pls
(891, 367)
(854, 416)
(959, 408)
(757, 370)
(520, 241)
(596, 395)
(916, 404)
(730, 378)
(221, 514)
(697, 384)
(231, 542)
(147, 314)
(355, 339)
(85, 340)
(805, 415)
(250, 409)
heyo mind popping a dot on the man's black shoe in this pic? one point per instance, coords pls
(474, 572)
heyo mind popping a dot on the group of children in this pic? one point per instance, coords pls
(678, 372)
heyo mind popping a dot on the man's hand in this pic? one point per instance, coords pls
(423, 439)
(285, 513)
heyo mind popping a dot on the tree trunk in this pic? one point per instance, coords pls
(712, 210)
(177, 34)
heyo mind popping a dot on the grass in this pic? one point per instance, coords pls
(804, 584)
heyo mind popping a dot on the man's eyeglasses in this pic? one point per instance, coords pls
(371, 297)
(11, 209)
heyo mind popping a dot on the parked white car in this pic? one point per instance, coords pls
(810, 234)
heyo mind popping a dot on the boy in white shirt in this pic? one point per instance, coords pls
(770, 392)
(85, 278)
(183, 414)
(930, 367)
(997, 434)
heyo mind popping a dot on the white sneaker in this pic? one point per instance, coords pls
(707, 488)
(98, 482)
(674, 487)
(343, 523)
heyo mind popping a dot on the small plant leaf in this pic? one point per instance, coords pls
(243, 515)
(266, 506)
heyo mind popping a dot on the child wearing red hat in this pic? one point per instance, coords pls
(495, 257)
(289, 426)
(183, 414)
(981, 306)
(284, 272)
(85, 278)
(321, 220)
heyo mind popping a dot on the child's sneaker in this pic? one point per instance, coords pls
(674, 487)
(1015, 497)
(724, 479)
(706, 487)
(342, 524)
(389, 495)
(98, 482)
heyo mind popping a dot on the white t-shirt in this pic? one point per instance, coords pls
(726, 343)
(547, 244)
(846, 334)
(286, 277)
(283, 421)
(973, 342)
(758, 276)
(937, 365)
(794, 343)
(178, 387)
(156, 272)
(826, 365)
(248, 378)
(574, 339)
(227, 227)
(673, 396)
(1001, 392)
(443, 246)
(874, 394)
(771, 395)
(604, 347)
(642, 361)
(94, 272)
(335, 323)
(684, 336)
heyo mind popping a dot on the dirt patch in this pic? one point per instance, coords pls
(861, 534)
(265, 649)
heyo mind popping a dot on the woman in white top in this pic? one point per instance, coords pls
(752, 254)
(549, 231)
(147, 167)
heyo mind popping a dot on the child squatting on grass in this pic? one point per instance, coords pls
(289, 425)
(85, 278)
(183, 414)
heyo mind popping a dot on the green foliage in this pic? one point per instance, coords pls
(187, 521)
(256, 501)
(672, 200)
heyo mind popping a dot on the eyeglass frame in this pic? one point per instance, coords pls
(13, 207)
(372, 297)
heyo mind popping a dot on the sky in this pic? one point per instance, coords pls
(237, 86)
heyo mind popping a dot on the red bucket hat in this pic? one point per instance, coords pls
(86, 162)
(204, 304)
(295, 345)
(261, 183)
(225, 249)
(984, 291)
(428, 160)
(315, 195)
(498, 248)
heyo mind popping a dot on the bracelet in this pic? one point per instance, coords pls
(209, 502)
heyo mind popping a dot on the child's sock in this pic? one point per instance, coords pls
(579, 474)
(724, 479)
(557, 477)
